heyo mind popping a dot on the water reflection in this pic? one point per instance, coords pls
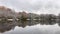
(6, 26)
(9, 25)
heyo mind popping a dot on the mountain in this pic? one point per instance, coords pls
(4, 11)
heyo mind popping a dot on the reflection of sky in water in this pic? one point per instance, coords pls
(36, 29)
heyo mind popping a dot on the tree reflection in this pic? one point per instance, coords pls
(7, 25)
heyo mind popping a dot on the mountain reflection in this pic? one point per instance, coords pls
(8, 25)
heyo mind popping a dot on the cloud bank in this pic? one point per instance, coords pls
(35, 6)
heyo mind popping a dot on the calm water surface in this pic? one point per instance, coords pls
(28, 27)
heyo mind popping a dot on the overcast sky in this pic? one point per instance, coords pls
(36, 6)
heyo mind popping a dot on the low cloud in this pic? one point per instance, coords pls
(47, 6)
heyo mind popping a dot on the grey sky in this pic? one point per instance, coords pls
(42, 6)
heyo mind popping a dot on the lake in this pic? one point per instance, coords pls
(29, 27)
